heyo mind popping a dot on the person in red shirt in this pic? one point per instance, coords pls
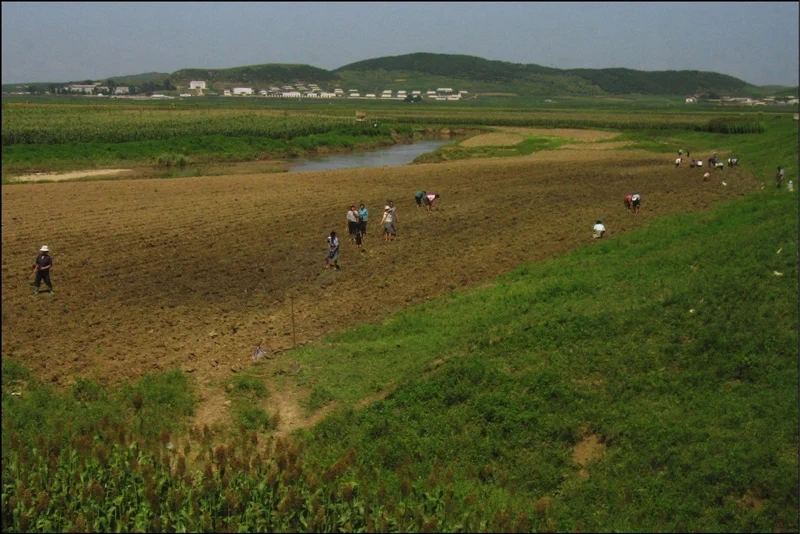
(41, 268)
(628, 201)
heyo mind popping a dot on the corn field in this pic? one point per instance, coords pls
(52, 124)
(115, 483)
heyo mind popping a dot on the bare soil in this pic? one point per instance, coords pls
(194, 272)
(58, 177)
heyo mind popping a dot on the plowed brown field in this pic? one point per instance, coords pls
(193, 272)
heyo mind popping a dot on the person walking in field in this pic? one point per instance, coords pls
(636, 202)
(363, 213)
(429, 199)
(779, 177)
(353, 222)
(395, 220)
(387, 221)
(419, 196)
(41, 270)
(598, 230)
(332, 259)
(627, 201)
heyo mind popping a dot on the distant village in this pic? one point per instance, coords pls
(299, 90)
(744, 101)
(312, 90)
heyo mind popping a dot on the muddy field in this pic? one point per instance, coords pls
(194, 272)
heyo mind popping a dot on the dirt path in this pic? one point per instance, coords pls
(58, 177)
(194, 272)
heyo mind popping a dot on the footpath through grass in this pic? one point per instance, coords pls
(648, 382)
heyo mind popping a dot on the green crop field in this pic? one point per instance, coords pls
(648, 382)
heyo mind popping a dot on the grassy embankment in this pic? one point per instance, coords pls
(667, 356)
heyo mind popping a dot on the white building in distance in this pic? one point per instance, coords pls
(197, 84)
(243, 90)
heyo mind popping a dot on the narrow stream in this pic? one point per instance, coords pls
(392, 156)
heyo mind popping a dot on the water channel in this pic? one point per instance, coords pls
(392, 156)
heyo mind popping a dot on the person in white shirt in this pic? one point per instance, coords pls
(599, 230)
(636, 202)
(677, 162)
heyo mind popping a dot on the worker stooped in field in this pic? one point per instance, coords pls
(677, 162)
(692, 164)
(779, 177)
(353, 221)
(429, 199)
(598, 230)
(363, 213)
(627, 201)
(332, 258)
(41, 270)
(636, 202)
(387, 221)
(418, 196)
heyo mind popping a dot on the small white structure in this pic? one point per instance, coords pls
(263, 92)
(83, 88)
(121, 90)
(311, 95)
(454, 97)
(416, 93)
(197, 84)
(462, 92)
(226, 92)
(338, 92)
(327, 95)
(370, 95)
(691, 100)
(354, 94)
(431, 93)
(243, 90)
(444, 90)
(291, 94)
(287, 87)
(184, 95)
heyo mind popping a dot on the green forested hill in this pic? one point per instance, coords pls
(267, 73)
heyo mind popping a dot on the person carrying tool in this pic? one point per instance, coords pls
(41, 269)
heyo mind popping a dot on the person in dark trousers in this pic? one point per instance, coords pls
(779, 177)
(353, 222)
(41, 268)
(418, 196)
(332, 259)
(363, 212)
(393, 209)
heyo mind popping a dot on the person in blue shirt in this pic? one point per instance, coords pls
(363, 212)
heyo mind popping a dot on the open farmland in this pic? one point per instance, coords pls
(195, 272)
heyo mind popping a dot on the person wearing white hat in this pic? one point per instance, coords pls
(598, 230)
(41, 269)
(388, 223)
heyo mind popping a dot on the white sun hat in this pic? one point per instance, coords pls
(386, 208)
(44, 249)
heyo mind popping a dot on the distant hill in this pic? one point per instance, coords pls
(499, 75)
(424, 71)
(270, 73)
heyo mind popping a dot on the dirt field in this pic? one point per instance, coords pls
(59, 177)
(194, 272)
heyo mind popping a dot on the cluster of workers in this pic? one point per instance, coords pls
(631, 202)
(356, 220)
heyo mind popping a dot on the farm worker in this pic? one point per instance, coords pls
(418, 196)
(599, 230)
(359, 238)
(429, 199)
(332, 259)
(692, 164)
(636, 201)
(680, 152)
(706, 176)
(790, 186)
(628, 201)
(352, 223)
(699, 162)
(41, 268)
(388, 223)
(677, 162)
(393, 209)
(779, 177)
(687, 153)
(732, 162)
(363, 212)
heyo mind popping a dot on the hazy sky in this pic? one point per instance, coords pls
(64, 41)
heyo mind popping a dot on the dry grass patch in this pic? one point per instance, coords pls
(589, 449)
(494, 139)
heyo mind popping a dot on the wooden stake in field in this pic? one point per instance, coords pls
(294, 338)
